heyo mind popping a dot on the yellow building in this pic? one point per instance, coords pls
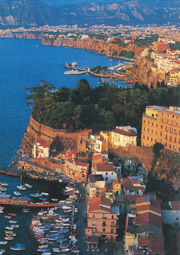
(161, 124)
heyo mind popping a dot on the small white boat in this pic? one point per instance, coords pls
(21, 187)
(25, 210)
(4, 184)
(9, 238)
(17, 193)
(3, 242)
(35, 195)
(28, 185)
(18, 248)
(13, 221)
(9, 228)
(44, 194)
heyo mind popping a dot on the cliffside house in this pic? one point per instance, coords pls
(98, 144)
(76, 169)
(121, 136)
(102, 219)
(96, 185)
(132, 187)
(107, 170)
(41, 149)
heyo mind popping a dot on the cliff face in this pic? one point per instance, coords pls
(167, 167)
(99, 46)
(146, 72)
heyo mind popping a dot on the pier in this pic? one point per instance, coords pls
(24, 203)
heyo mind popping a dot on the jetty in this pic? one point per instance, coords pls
(23, 202)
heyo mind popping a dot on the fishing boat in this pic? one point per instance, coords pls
(9, 228)
(17, 193)
(13, 221)
(44, 194)
(4, 184)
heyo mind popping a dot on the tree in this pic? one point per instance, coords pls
(56, 145)
(157, 147)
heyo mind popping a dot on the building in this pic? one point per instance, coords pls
(83, 140)
(98, 144)
(174, 77)
(171, 214)
(132, 187)
(162, 125)
(107, 170)
(102, 219)
(76, 170)
(143, 229)
(41, 149)
(121, 136)
(96, 185)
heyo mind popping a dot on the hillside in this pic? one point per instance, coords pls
(57, 12)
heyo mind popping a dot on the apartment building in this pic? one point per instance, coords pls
(161, 124)
(121, 136)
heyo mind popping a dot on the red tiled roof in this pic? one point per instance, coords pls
(148, 218)
(174, 70)
(43, 143)
(117, 181)
(86, 131)
(148, 208)
(154, 242)
(105, 167)
(97, 156)
(99, 203)
(80, 163)
(123, 132)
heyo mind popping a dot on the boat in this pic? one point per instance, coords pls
(9, 228)
(4, 184)
(25, 210)
(18, 248)
(9, 238)
(21, 187)
(44, 194)
(13, 221)
(12, 214)
(3, 242)
(17, 193)
(75, 72)
(28, 185)
(2, 251)
(35, 195)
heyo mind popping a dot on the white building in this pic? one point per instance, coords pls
(107, 170)
(41, 149)
(121, 136)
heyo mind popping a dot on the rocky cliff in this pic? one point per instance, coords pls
(100, 46)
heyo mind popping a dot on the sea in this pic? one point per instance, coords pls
(23, 63)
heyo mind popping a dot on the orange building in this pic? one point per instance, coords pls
(76, 170)
(162, 125)
(102, 219)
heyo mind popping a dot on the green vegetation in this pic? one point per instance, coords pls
(126, 54)
(99, 108)
(175, 46)
(56, 145)
(98, 69)
(156, 149)
(147, 40)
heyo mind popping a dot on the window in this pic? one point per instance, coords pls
(104, 216)
(112, 216)
(93, 230)
(175, 139)
(144, 128)
(161, 126)
(104, 230)
(170, 146)
(152, 114)
(174, 147)
(104, 224)
(170, 138)
(112, 231)
(147, 137)
(160, 133)
(94, 223)
(94, 216)
(166, 137)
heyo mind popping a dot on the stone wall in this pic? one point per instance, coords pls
(144, 154)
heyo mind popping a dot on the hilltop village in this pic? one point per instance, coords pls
(129, 173)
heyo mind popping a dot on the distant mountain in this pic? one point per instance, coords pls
(81, 12)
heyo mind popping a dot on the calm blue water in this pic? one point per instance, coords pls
(23, 65)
